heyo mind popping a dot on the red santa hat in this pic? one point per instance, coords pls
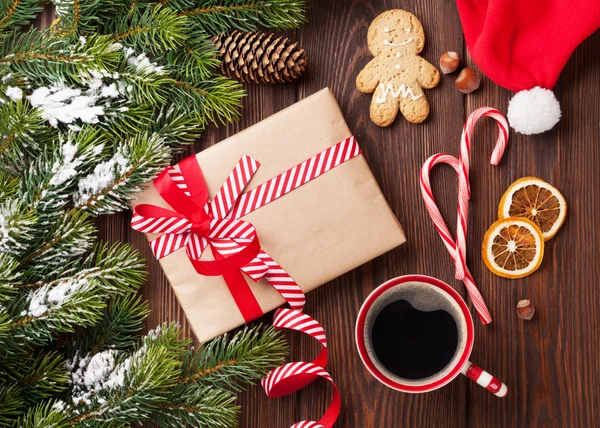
(523, 45)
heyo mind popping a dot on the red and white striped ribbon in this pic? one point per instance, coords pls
(296, 177)
(178, 179)
(229, 193)
(282, 282)
(457, 247)
(293, 376)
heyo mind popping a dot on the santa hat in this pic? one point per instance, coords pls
(523, 45)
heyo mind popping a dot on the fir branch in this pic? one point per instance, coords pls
(169, 336)
(245, 358)
(126, 389)
(217, 99)
(43, 58)
(92, 109)
(15, 14)
(118, 329)
(39, 316)
(50, 180)
(197, 58)
(70, 236)
(9, 186)
(46, 414)
(116, 180)
(155, 29)
(197, 405)
(244, 15)
(176, 127)
(11, 404)
(144, 85)
(117, 269)
(5, 326)
(38, 377)
(78, 16)
(17, 227)
(22, 134)
(9, 276)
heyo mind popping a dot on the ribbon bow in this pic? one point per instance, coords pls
(197, 222)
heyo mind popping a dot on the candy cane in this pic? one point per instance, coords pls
(442, 229)
(464, 187)
(457, 247)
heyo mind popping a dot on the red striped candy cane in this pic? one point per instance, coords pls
(457, 247)
(464, 187)
(440, 225)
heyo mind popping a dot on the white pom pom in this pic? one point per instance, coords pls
(534, 111)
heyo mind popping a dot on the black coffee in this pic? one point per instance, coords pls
(414, 344)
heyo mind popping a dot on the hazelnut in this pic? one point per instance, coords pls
(467, 81)
(449, 62)
(525, 309)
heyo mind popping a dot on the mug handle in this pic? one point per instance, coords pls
(484, 379)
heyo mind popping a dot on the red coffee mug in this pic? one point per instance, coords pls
(424, 293)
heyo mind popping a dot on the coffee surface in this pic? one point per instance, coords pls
(414, 344)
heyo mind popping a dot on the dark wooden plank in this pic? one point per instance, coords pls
(550, 363)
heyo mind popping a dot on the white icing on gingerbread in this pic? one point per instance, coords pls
(389, 89)
(407, 30)
(397, 66)
(398, 54)
(388, 43)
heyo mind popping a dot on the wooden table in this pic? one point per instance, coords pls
(550, 364)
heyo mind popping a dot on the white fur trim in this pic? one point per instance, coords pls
(534, 111)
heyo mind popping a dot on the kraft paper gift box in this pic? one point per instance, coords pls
(320, 230)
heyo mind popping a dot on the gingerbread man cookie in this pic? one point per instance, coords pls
(397, 74)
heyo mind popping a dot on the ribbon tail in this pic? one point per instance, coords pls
(263, 265)
(240, 290)
(291, 377)
(256, 269)
(283, 282)
(243, 296)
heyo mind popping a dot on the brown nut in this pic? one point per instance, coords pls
(467, 81)
(525, 309)
(449, 62)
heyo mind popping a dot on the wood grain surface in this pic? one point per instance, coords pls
(550, 364)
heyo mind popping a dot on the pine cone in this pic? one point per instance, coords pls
(260, 57)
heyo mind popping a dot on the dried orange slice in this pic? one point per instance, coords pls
(513, 247)
(536, 200)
